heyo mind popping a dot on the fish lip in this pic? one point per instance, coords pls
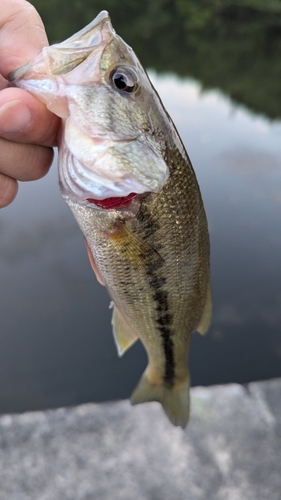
(99, 19)
(88, 39)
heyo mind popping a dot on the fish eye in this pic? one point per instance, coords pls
(124, 79)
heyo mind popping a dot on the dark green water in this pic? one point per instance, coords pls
(217, 68)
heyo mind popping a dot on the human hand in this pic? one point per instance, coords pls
(27, 129)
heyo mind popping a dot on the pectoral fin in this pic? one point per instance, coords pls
(207, 312)
(94, 265)
(123, 334)
(137, 251)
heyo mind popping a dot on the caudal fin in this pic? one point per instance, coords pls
(175, 401)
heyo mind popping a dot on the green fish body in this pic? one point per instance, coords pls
(130, 185)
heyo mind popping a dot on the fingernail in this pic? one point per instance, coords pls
(15, 116)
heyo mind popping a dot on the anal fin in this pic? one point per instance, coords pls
(124, 335)
(207, 313)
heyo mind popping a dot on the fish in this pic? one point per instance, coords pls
(127, 178)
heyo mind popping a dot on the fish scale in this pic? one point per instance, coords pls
(182, 271)
(150, 248)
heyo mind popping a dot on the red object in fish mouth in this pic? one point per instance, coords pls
(114, 202)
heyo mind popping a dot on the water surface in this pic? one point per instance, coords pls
(56, 346)
(55, 332)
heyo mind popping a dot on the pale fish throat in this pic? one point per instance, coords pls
(99, 174)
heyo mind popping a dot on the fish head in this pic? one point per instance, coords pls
(114, 125)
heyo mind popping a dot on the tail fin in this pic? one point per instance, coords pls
(175, 401)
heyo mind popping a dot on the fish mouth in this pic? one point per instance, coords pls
(63, 57)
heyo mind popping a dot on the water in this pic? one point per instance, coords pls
(55, 333)
(56, 342)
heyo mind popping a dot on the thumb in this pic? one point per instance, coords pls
(22, 34)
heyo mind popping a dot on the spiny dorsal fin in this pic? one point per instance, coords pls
(124, 335)
(207, 313)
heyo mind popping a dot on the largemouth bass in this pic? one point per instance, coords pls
(129, 183)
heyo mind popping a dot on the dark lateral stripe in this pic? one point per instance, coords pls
(164, 321)
(157, 282)
(169, 356)
(160, 297)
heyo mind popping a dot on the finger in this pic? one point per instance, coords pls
(3, 83)
(25, 119)
(22, 34)
(24, 162)
(8, 190)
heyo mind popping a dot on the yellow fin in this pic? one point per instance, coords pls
(135, 250)
(207, 313)
(175, 401)
(123, 334)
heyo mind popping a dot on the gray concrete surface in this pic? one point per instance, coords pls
(231, 450)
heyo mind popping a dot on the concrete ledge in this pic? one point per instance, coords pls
(231, 450)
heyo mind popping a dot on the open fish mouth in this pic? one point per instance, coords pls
(61, 58)
(94, 82)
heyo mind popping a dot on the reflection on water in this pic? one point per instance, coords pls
(233, 45)
(55, 332)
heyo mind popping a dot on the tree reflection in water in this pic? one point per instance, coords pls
(233, 45)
